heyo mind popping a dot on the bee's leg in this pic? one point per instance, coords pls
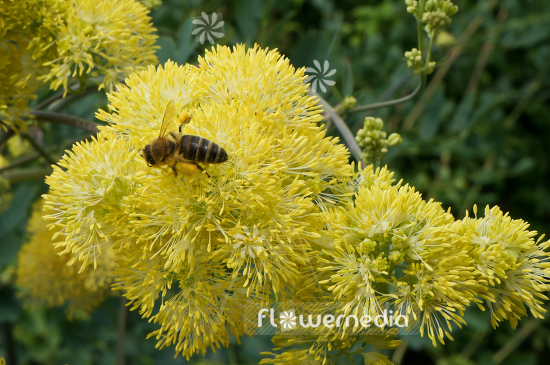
(174, 168)
(194, 164)
(200, 168)
(184, 119)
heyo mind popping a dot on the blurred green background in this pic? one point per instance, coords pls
(479, 133)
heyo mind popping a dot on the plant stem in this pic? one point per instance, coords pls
(473, 344)
(385, 104)
(420, 34)
(5, 136)
(26, 174)
(62, 103)
(441, 72)
(399, 353)
(429, 53)
(342, 127)
(20, 161)
(123, 314)
(515, 341)
(9, 344)
(38, 148)
(66, 120)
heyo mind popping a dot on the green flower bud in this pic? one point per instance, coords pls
(412, 6)
(414, 61)
(396, 257)
(348, 103)
(394, 139)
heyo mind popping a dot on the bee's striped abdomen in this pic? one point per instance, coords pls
(199, 149)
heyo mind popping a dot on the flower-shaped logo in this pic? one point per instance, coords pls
(287, 320)
(319, 76)
(208, 27)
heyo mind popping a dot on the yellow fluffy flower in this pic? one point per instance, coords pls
(291, 357)
(202, 244)
(58, 42)
(89, 198)
(393, 250)
(25, 44)
(44, 277)
(324, 348)
(507, 256)
(103, 40)
(284, 217)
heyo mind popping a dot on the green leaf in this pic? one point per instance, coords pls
(248, 14)
(186, 42)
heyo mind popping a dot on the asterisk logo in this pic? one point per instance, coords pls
(287, 320)
(208, 27)
(319, 76)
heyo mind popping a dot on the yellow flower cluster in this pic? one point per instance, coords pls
(392, 249)
(204, 244)
(514, 265)
(25, 44)
(101, 40)
(285, 218)
(57, 41)
(45, 278)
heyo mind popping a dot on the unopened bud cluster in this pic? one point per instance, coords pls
(437, 14)
(412, 6)
(347, 104)
(374, 141)
(416, 63)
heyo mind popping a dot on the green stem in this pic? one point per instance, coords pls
(420, 34)
(399, 353)
(20, 161)
(123, 314)
(58, 101)
(429, 53)
(52, 99)
(69, 120)
(9, 343)
(385, 104)
(5, 136)
(342, 127)
(27, 174)
(515, 341)
(473, 344)
(38, 148)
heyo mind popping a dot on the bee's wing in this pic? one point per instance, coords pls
(169, 116)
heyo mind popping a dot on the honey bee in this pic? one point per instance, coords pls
(171, 148)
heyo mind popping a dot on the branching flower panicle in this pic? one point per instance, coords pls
(244, 232)
(103, 41)
(44, 278)
(59, 42)
(388, 237)
(25, 44)
(515, 266)
(90, 197)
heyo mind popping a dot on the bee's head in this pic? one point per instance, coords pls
(148, 156)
